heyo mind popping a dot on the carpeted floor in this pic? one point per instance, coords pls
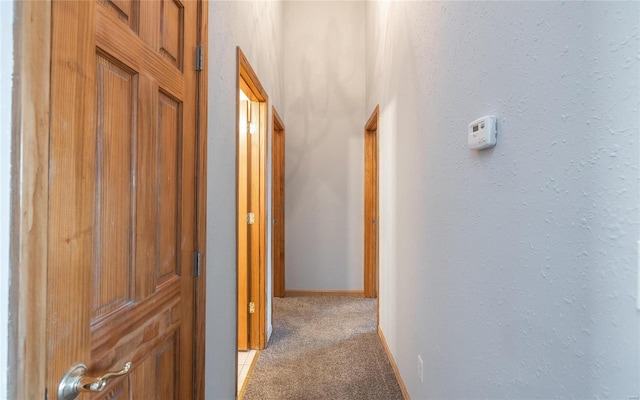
(323, 347)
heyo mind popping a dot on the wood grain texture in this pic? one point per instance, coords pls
(171, 32)
(139, 56)
(169, 187)
(278, 225)
(122, 202)
(125, 10)
(147, 210)
(114, 209)
(65, 61)
(72, 188)
(201, 204)
(149, 23)
(371, 221)
(30, 193)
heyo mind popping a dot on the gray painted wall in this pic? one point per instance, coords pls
(256, 27)
(513, 271)
(324, 104)
(6, 83)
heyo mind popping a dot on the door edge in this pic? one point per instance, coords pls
(29, 200)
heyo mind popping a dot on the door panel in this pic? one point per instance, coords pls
(114, 206)
(123, 195)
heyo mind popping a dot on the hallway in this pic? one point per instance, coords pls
(505, 273)
(508, 271)
(324, 347)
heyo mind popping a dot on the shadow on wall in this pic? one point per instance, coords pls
(271, 58)
(325, 96)
(324, 121)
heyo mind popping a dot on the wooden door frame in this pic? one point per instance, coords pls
(30, 196)
(371, 273)
(278, 268)
(248, 82)
(200, 283)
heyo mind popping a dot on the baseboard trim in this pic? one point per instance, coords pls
(394, 366)
(297, 293)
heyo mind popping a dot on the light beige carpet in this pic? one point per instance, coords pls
(323, 347)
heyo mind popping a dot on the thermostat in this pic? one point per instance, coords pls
(482, 132)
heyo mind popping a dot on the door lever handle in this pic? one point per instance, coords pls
(75, 381)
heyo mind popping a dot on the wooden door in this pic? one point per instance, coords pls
(122, 195)
(371, 206)
(278, 173)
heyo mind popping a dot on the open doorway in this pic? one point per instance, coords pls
(251, 117)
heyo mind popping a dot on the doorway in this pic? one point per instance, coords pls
(252, 101)
(371, 221)
(278, 190)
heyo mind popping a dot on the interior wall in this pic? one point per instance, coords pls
(6, 71)
(256, 27)
(324, 93)
(516, 268)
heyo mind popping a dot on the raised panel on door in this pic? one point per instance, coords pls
(129, 174)
(114, 208)
(169, 231)
(171, 31)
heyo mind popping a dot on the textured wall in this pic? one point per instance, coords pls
(6, 71)
(256, 27)
(324, 104)
(512, 271)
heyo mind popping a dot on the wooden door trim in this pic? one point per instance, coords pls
(370, 272)
(278, 268)
(248, 82)
(30, 196)
(200, 288)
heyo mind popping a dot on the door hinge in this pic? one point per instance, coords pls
(251, 128)
(251, 218)
(252, 307)
(197, 257)
(199, 58)
(46, 394)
